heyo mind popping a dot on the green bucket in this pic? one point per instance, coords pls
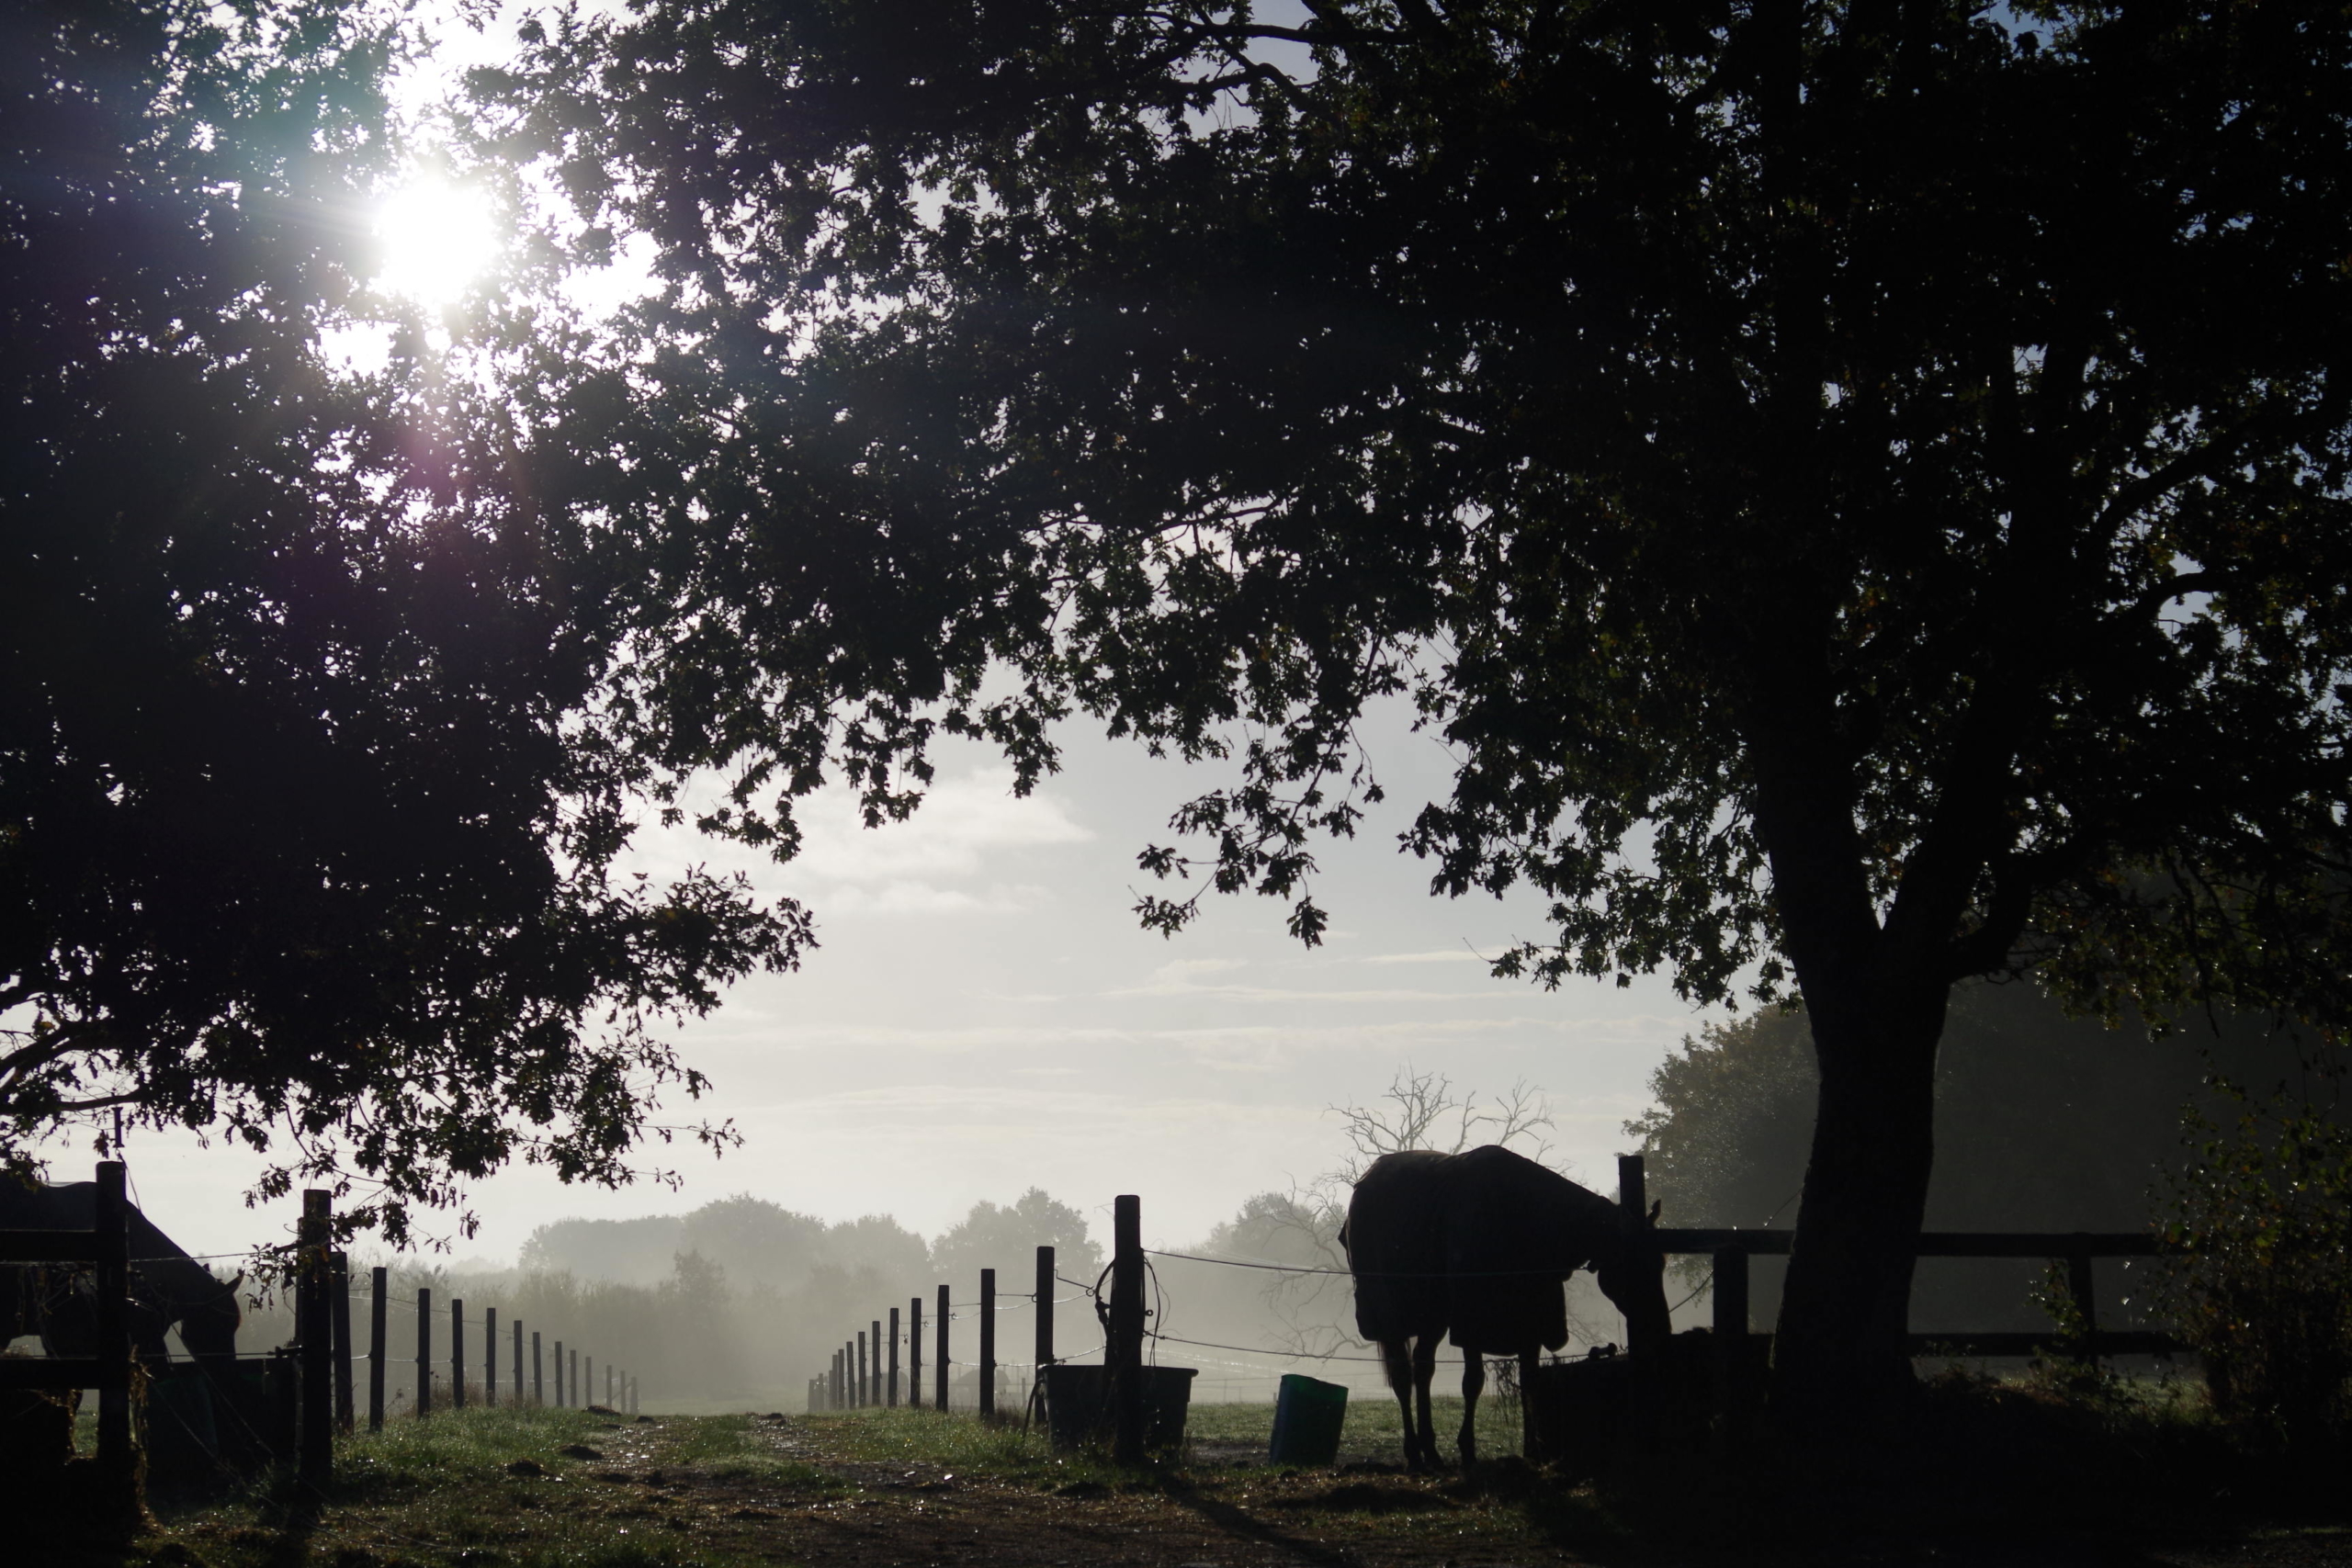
(1308, 1417)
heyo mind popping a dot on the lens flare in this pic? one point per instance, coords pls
(436, 239)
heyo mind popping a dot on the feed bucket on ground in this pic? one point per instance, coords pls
(1308, 1415)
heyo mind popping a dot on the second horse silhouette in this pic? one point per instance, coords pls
(1478, 1245)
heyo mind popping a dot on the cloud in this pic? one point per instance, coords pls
(771, 1034)
(966, 819)
(947, 858)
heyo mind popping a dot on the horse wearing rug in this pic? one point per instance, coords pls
(1480, 1245)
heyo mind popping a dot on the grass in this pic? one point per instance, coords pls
(960, 1442)
(1986, 1462)
(1372, 1431)
(495, 1489)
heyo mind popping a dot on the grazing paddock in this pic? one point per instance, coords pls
(551, 1488)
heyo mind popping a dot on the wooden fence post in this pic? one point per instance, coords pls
(111, 1237)
(378, 1344)
(1123, 1351)
(538, 1383)
(571, 1379)
(1632, 1187)
(518, 1363)
(840, 1379)
(347, 1418)
(423, 1351)
(586, 1395)
(1731, 1330)
(490, 1357)
(313, 1333)
(914, 1352)
(456, 1352)
(987, 1344)
(874, 1384)
(1633, 1202)
(559, 1374)
(1047, 1277)
(2080, 1286)
(891, 1396)
(939, 1372)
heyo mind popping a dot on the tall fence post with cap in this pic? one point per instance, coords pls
(1633, 1202)
(939, 1372)
(378, 1343)
(987, 1344)
(1123, 1345)
(891, 1396)
(110, 1238)
(339, 1307)
(313, 1333)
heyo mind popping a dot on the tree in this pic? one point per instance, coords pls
(304, 834)
(1006, 1238)
(1859, 486)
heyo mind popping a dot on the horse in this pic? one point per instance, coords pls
(168, 1289)
(1478, 1245)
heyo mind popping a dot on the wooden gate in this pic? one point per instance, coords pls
(106, 1245)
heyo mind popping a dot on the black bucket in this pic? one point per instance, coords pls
(1078, 1405)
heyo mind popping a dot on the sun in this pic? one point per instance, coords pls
(435, 238)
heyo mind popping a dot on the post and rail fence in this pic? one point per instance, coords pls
(300, 1398)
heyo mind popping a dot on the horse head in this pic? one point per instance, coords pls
(1632, 1274)
(209, 1318)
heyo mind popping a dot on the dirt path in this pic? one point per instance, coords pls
(923, 1513)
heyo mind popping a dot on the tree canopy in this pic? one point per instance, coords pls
(1859, 486)
(304, 835)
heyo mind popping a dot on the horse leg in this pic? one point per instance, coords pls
(1530, 1440)
(1424, 1369)
(1473, 1380)
(1398, 1365)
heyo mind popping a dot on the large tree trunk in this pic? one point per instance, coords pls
(1842, 1356)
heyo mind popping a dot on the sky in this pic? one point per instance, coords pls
(984, 1015)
